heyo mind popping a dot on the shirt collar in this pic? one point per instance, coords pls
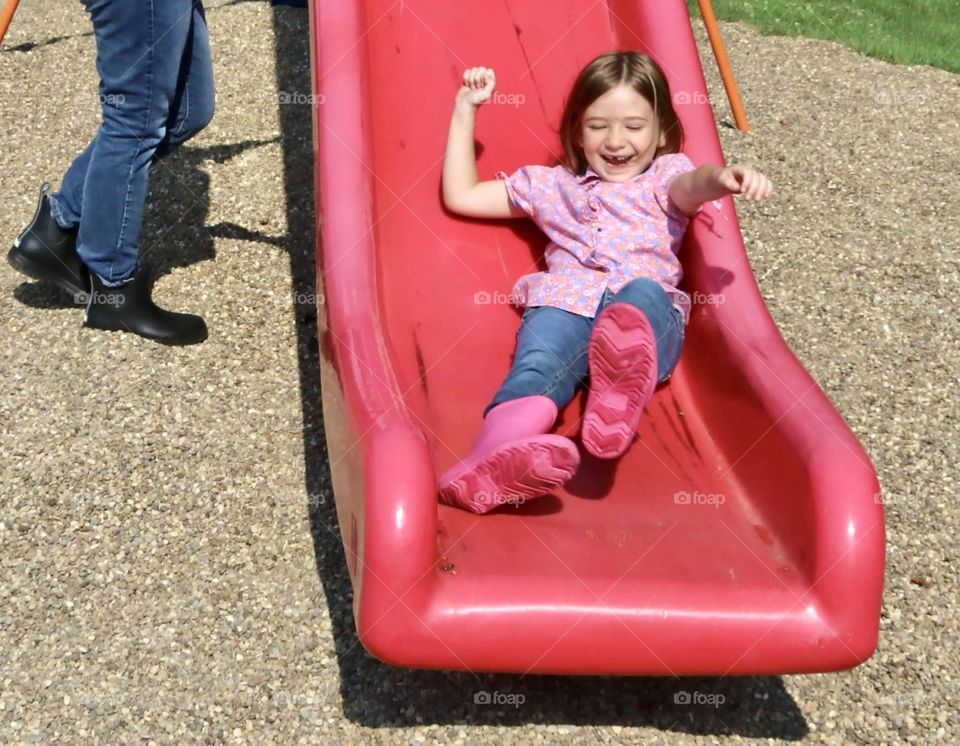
(588, 176)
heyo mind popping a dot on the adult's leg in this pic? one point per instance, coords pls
(191, 110)
(67, 203)
(140, 48)
(195, 99)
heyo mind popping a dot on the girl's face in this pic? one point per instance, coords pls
(619, 134)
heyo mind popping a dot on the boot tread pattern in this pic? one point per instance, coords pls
(514, 473)
(623, 371)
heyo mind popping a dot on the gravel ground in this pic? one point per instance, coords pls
(170, 569)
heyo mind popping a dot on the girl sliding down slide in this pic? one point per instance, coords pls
(607, 307)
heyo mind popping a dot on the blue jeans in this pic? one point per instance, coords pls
(156, 91)
(551, 357)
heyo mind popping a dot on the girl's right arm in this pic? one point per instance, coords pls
(463, 192)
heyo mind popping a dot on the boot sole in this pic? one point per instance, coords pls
(512, 474)
(623, 375)
(35, 271)
(185, 342)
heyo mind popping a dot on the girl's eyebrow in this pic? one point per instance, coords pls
(628, 119)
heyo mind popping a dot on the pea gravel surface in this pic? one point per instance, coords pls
(170, 568)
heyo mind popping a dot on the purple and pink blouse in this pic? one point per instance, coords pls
(602, 234)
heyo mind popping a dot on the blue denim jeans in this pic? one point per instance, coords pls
(551, 357)
(156, 91)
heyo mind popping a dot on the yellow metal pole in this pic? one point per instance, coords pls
(723, 62)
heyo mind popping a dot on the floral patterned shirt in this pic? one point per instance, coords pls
(602, 234)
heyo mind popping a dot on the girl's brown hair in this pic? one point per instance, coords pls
(634, 69)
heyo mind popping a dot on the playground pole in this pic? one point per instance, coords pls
(723, 62)
(6, 15)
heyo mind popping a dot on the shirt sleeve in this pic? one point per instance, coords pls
(668, 167)
(527, 187)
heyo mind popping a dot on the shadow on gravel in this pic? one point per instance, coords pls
(174, 232)
(377, 695)
(43, 295)
(29, 46)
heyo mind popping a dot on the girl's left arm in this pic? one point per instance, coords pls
(709, 182)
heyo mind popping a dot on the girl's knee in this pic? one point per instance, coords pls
(643, 293)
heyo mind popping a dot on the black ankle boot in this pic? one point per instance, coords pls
(45, 251)
(128, 308)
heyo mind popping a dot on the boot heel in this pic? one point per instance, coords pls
(46, 252)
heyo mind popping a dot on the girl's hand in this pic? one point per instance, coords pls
(478, 86)
(752, 185)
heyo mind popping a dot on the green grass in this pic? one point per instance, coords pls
(914, 32)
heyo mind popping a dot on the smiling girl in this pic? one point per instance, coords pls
(607, 307)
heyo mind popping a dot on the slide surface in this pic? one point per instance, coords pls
(739, 535)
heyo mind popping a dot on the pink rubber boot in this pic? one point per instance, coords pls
(623, 375)
(513, 459)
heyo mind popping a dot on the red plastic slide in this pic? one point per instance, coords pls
(739, 535)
